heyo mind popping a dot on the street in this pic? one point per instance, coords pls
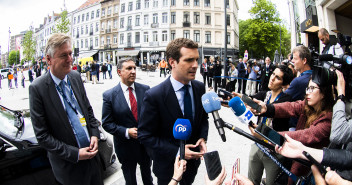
(235, 147)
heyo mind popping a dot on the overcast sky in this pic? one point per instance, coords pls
(19, 15)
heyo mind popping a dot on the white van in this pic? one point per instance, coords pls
(5, 71)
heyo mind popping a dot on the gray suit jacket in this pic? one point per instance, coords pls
(53, 129)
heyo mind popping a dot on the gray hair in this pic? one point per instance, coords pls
(119, 65)
(55, 41)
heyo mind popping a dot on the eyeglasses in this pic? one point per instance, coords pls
(310, 89)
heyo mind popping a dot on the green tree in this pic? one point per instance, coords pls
(29, 44)
(62, 26)
(14, 57)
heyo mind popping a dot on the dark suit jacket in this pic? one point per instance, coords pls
(241, 70)
(53, 129)
(202, 68)
(265, 78)
(117, 117)
(160, 110)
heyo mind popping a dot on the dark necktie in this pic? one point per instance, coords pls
(73, 117)
(133, 104)
(187, 103)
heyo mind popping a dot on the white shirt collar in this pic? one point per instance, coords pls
(56, 79)
(176, 84)
(125, 87)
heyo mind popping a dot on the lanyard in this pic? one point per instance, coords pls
(64, 96)
(268, 102)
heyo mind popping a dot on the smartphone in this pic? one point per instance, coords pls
(235, 169)
(251, 103)
(271, 135)
(224, 102)
(316, 163)
(212, 164)
(225, 92)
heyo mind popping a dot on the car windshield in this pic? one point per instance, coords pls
(8, 123)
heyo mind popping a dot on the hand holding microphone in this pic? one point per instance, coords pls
(182, 130)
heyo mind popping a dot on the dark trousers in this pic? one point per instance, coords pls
(205, 78)
(244, 85)
(129, 170)
(110, 74)
(231, 86)
(210, 81)
(104, 74)
(162, 70)
(188, 176)
(240, 85)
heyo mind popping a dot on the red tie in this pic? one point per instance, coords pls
(133, 104)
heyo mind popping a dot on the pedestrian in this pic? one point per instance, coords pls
(162, 67)
(211, 71)
(104, 69)
(204, 68)
(22, 79)
(63, 119)
(30, 74)
(79, 68)
(109, 69)
(266, 73)
(174, 98)
(233, 73)
(241, 75)
(38, 71)
(97, 68)
(87, 70)
(217, 74)
(252, 83)
(121, 114)
(9, 78)
(15, 77)
(94, 72)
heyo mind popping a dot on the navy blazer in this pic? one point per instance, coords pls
(160, 110)
(241, 70)
(117, 117)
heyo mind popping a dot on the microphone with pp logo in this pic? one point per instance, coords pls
(211, 104)
(182, 131)
(240, 110)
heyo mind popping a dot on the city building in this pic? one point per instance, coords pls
(109, 30)
(85, 22)
(310, 15)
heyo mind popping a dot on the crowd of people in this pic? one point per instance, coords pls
(300, 107)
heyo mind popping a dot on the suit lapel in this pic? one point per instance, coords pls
(170, 100)
(139, 94)
(197, 105)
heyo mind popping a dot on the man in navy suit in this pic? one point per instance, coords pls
(121, 110)
(164, 103)
(241, 67)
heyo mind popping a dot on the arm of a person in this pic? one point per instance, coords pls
(288, 109)
(337, 159)
(45, 139)
(149, 126)
(341, 128)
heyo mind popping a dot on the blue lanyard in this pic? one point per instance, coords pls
(306, 72)
(268, 102)
(64, 96)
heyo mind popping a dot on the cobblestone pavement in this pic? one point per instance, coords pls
(236, 146)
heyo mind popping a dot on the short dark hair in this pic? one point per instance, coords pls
(303, 53)
(174, 47)
(288, 75)
(119, 64)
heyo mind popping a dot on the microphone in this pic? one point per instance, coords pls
(241, 111)
(211, 104)
(182, 130)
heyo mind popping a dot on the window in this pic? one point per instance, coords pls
(77, 44)
(196, 36)
(185, 2)
(103, 12)
(146, 37)
(138, 37)
(138, 4)
(146, 3)
(130, 6)
(228, 20)
(196, 2)
(207, 37)
(86, 43)
(165, 2)
(146, 19)
(109, 10)
(186, 34)
(186, 17)
(155, 3)
(164, 36)
(122, 37)
(155, 36)
(87, 16)
(196, 18)
(73, 33)
(82, 17)
(74, 20)
(129, 39)
(92, 15)
(173, 2)
(115, 23)
(155, 18)
(78, 19)
(122, 22)
(129, 21)
(172, 35)
(122, 7)
(97, 27)
(207, 18)
(227, 4)
(115, 39)
(102, 41)
(91, 28)
(82, 30)
(96, 41)
(165, 17)
(108, 40)
(228, 38)
(116, 9)
(91, 42)
(98, 11)
(206, 2)
(173, 17)
(86, 29)
(103, 26)
(138, 17)
(82, 43)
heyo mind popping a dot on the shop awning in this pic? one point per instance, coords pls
(88, 54)
(128, 53)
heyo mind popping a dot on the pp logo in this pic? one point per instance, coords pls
(180, 128)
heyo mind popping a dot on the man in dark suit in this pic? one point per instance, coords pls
(267, 70)
(241, 74)
(204, 68)
(179, 96)
(121, 109)
(63, 119)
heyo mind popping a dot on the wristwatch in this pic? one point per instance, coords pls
(342, 98)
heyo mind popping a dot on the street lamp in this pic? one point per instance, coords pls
(276, 58)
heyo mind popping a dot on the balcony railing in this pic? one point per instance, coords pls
(155, 25)
(155, 43)
(129, 27)
(186, 24)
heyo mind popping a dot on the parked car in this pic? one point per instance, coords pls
(21, 157)
(5, 71)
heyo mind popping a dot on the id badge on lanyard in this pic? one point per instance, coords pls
(82, 120)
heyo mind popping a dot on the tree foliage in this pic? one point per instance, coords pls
(62, 26)
(261, 34)
(14, 57)
(29, 44)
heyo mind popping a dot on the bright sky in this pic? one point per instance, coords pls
(19, 15)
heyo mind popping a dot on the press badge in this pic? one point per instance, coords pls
(82, 120)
